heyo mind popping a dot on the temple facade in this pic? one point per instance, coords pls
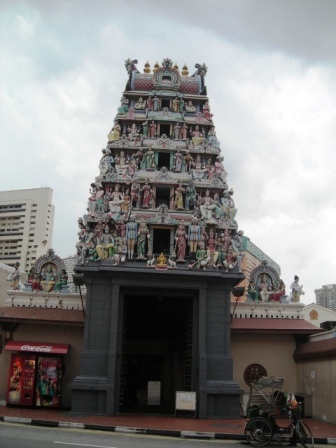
(159, 251)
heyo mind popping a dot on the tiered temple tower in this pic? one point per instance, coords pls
(159, 251)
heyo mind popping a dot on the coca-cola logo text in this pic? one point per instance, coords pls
(37, 348)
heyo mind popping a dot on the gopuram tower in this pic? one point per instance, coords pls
(159, 252)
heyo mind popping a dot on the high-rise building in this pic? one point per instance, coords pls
(26, 225)
(326, 296)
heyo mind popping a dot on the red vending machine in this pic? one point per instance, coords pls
(48, 381)
(21, 381)
(35, 373)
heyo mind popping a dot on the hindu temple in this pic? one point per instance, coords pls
(159, 251)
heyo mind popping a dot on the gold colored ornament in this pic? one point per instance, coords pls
(185, 71)
(147, 68)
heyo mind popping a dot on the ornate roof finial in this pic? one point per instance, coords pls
(167, 63)
(175, 66)
(185, 71)
(147, 67)
(156, 66)
(130, 65)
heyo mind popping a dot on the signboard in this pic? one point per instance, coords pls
(185, 401)
(154, 393)
(37, 347)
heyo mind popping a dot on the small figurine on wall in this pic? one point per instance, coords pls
(190, 107)
(14, 277)
(143, 236)
(252, 292)
(178, 161)
(181, 104)
(149, 159)
(149, 103)
(190, 196)
(181, 242)
(123, 109)
(184, 131)
(147, 195)
(297, 290)
(152, 129)
(194, 236)
(179, 197)
(140, 105)
(177, 129)
(176, 104)
(135, 193)
(106, 247)
(156, 103)
(131, 236)
(145, 128)
(265, 288)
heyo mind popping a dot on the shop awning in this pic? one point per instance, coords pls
(37, 347)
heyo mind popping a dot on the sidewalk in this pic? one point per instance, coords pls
(324, 433)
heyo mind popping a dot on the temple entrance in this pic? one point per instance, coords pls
(161, 241)
(156, 346)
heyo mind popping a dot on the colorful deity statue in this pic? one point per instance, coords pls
(131, 236)
(123, 109)
(179, 191)
(62, 281)
(296, 290)
(140, 105)
(143, 235)
(48, 279)
(149, 159)
(14, 277)
(147, 195)
(115, 132)
(181, 242)
(178, 161)
(106, 248)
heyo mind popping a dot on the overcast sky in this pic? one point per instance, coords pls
(272, 89)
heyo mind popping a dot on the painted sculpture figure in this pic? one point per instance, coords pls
(143, 235)
(131, 236)
(14, 277)
(181, 242)
(296, 289)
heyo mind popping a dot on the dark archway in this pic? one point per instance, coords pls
(156, 346)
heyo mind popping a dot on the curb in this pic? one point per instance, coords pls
(144, 431)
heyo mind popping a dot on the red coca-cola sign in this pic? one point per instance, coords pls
(37, 347)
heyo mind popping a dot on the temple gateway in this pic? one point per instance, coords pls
(159, 251)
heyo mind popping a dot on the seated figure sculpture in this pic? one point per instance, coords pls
(48, 279)
(265, 285)
(265, 288)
